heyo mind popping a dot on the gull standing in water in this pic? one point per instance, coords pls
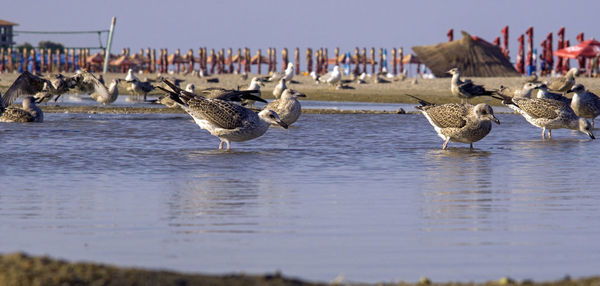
(29, 113)
(287, 107)
(455, 122)
(223, 119)
(549, 114)
(585, 103)
(465, 90)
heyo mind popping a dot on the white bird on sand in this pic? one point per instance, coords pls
(29, 113)
(549, 114)
(225, 120)
(289, 72)
(456, 122)
(279, 88)
(315, 77)
(335, 77)
(287, 107)
(255, 85)
(585, 103)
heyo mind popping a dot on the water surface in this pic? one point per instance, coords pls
(369, 197)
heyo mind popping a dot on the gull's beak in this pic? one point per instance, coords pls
(282, 124)
(591, 135)
(301, 95)
(495, 119)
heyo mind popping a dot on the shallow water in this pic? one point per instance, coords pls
(369, 197)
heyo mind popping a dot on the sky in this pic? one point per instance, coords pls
(309, 23)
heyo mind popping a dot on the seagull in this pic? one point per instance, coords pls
(362, 78)
(465, 89)
(223, 119)
(524, 92)
(89, 84)
(279, 88)
(585, 103)
(29, 113)
(456, 122)
(130, 76)
(255, 85)
(544, 93)
(315, 77)
(140, 87)
(548, 114)
(230, 94)
(289, 72)
(287, 107)
(30, 84)
(190, 87)
(564, 83)
(335, 77)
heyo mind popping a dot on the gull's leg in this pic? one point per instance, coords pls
(471, 147)
(445, 145)
(543, 133)
(228, 145)
(549, 133)
(221, 145)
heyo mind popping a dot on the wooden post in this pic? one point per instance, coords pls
(58, 66)
(394, 61)
(50, 61)
(309, 60)
(42, 60)
(297, 60)
(258, 61)
(248, 60)
(33, 61)
(239, 63)
(274, 59)
(73, 60)
(363, 58)
(269, 60)
(380, 60)
(11, 64)
(230, 59)
(284, 58)
(400, 63)
(337, 56)
(318, 61)
(25, 56)
(356, 61)
(213, 61)
(2, 59)
(372, 60)
(325, 58)
(200, 60)
(190, 61)
(165, 61)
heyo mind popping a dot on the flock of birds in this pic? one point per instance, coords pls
(549, 109)
(229, 114)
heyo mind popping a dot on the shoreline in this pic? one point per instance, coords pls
(436, 90)
(23, 269)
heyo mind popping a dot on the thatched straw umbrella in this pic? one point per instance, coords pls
(472, 55)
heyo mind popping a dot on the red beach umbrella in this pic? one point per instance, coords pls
(586, 49)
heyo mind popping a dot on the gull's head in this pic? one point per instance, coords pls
(485, 112)
(577, 88)
(453, 71)
(336, 68)
(271, 117)
(290, 65)
(586, 127)
(530, 86)
(116, 80)
(257, 80)
(190, 87)
(573, 72)
(291, 93)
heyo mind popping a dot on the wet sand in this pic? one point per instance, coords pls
(435, 90)
(22, 269)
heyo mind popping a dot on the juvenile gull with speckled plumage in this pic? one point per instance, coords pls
(223, 119)
(287, 107)
(455, 122)
(585, 103)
